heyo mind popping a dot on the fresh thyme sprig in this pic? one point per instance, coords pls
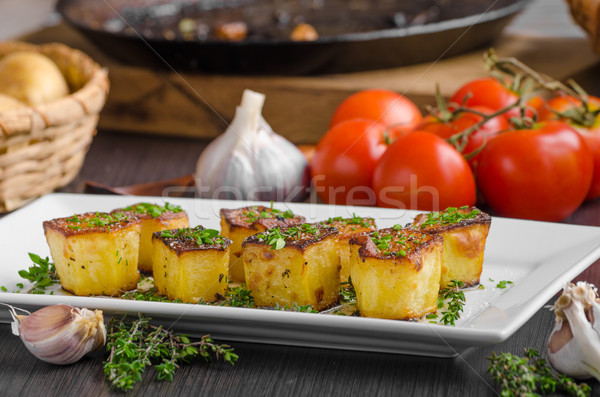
(134, 344)
(295, 308)
(238, 297)
(453, 299)
(149, 295)
(531, 376)
(42, 274)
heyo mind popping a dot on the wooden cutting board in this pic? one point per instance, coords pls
(142, 100)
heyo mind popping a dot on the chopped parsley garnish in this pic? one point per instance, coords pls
(42, 274)
(276, 237)
(99, 219)
(154, 210)
(449, 216)
(255, 213)
(355, 220)
(198, 234)
(394, 245)
(503, 284)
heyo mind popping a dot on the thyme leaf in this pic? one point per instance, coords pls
(134, 344)
(347, 292)
(531, 376)
(452, 300)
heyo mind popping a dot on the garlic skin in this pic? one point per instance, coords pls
(60, 334)
(574, 344)
(250, 161)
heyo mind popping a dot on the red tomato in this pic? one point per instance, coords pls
(490, 93)
(386, 107)
(542, 173)
(461, 122)
(344, 160)
(422, 171)
(589, 132)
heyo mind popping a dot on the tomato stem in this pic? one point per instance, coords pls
(582, 114)
(460, 139)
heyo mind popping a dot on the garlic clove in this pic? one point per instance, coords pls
(61, 334)
(574, 344)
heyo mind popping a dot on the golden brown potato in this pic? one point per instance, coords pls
(465, 232)
(95, 253)
(190, 264)
(31, 78)
(396, 273)
(294, 265)
(154, 219)
(240, 223)
(348, 228)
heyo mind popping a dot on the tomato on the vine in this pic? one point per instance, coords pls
(422, 171)
(386, 107)
(542, 173)
(492, 94)
(462, 121)
(583, 120)
(344, 160)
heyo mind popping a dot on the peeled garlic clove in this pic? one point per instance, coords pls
(574, 344)
(250, 161)
(61, 334)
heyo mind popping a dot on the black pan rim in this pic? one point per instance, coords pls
(429, 28)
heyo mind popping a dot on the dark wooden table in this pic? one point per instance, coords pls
(120, 159)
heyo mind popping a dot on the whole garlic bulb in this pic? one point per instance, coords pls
(250, 161)
(60, 334)
(574, 344)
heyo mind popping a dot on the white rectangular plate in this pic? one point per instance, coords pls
(537, 257)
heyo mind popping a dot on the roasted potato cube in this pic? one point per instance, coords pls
(190, 264)
(238, 224)
(464, 231)
(298, 264)
(154, 219)
(396, 273)
(95, 253)
(348, 228)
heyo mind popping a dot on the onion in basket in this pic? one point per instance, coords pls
(31, 78)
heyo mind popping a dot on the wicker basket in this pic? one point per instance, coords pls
(586, 14)
(42, 148)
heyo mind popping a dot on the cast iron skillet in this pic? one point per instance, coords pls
(354, 35)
